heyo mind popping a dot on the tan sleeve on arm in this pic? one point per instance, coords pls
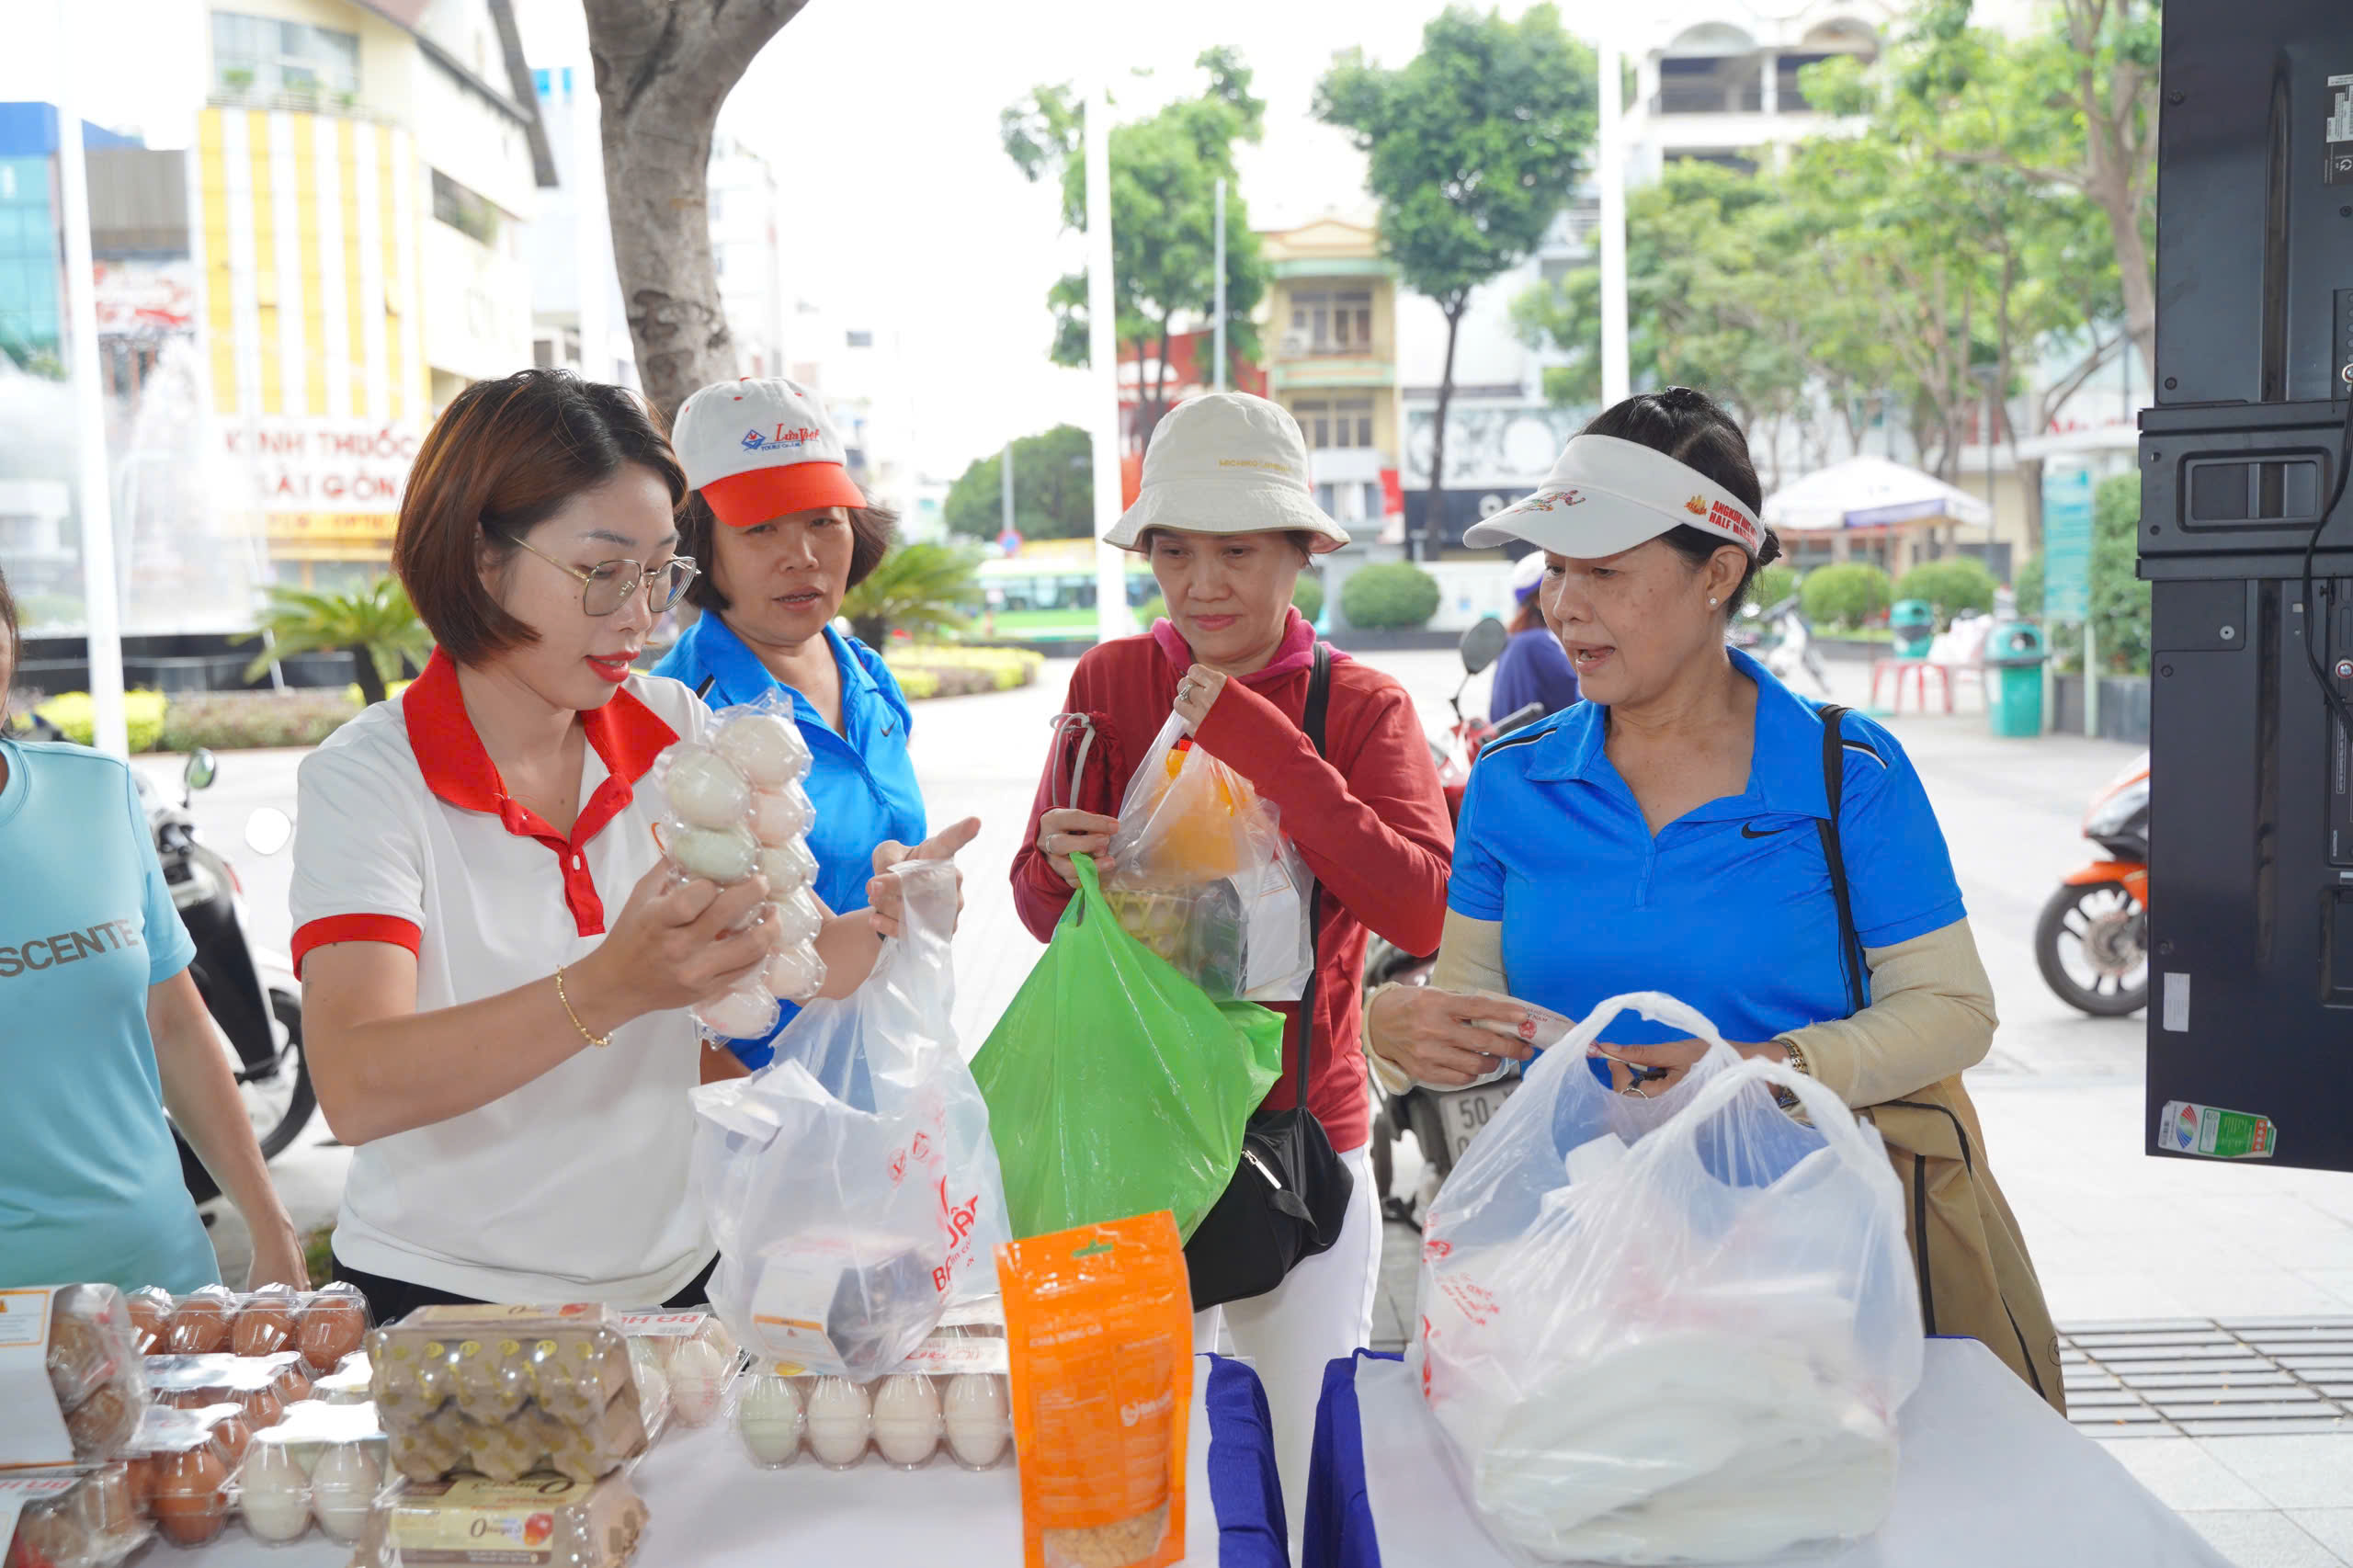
(1470, 959)
(1931, 1016)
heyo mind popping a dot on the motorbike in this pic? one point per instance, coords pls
(255, 1000)
(1442, 1122)
(1784, 641)
(2092, 943)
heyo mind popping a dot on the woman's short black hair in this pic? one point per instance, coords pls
(871, 529)
(1693, 428)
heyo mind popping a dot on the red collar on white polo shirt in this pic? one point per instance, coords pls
(627, 736)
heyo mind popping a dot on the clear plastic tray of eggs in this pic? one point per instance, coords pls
(950, 1401)
(736, 807)
(193, 1473)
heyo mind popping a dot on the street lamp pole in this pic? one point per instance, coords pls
(1111, 617)
(1218, 378)
(1617, 366)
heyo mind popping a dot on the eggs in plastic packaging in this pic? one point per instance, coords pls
(748, 1013)
(789, 868)
(978, 1415)
(274, 1493)
(792, 918)
(840, 1421)
(781, 814)
(907, 1419)
(794, 974)
(697, 1382)
(768, 1419)
(766, 748)
(704, 787)
(343, 1489)
(722, 855)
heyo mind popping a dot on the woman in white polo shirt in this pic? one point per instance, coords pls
(495, 969)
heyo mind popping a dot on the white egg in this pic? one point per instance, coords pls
(782, 814)
(343, 1489)
(767, 1417)
(793, 918)
(748, 1013)
(653, 1381)
(697, 1383)
(766, 749)
(273, 1493)
(840, 1421)
(979, 1417)
(705, 789)
(789, 869)
(795, 973)
(907, 1419)
(721, 854)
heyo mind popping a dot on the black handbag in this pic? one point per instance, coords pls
(1290, 1196)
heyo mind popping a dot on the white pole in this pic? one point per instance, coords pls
(1617, 359)
(1111, 617)
(101, 606)
(1217, 380)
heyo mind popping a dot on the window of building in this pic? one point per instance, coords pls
(264, 55)
(466, 211)
(1332, 321)
(1354, 419)
(543, 353)
(1315, 418)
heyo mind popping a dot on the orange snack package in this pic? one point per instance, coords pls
(1098, 1322)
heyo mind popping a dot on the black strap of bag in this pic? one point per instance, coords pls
(1290, 1196)
(1851, 962)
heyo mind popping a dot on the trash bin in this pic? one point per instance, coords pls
(2014, 655)
(1915, 625)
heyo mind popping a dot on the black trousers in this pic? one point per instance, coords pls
(393, 1300)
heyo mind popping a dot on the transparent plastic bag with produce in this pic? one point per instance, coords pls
(852, 1185)
(1674, 1329)
(1204, 878)
(1129, 1086)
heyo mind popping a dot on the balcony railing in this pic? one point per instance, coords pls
(343, 105)
(1708, 100)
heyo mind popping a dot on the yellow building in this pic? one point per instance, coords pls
(361, 181)
(1332, 361)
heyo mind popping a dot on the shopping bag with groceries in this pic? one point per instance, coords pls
(852, 1185)
(1204, 876)
(1121, 1085)
(1669, 1329)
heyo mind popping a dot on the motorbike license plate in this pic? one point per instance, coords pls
(1468, 1111)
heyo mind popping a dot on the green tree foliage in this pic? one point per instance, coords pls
(1164, 202)
(1389, 595)
(1475, 145)
(920, 588)
(375, 622)
(1053, 489)
(1949, 586)
(1846, 594)
(1774, 584)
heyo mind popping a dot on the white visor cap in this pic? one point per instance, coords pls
(1605, 496)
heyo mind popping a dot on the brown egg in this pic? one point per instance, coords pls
(262, 1406)
(201, 1324)
(192, 1497)
(263, 1330)
(151, 1314)
(292, 1384)
(331, 1328)
(139, 1478)
(101, 1423)
(231, 1434)
(80, 1359)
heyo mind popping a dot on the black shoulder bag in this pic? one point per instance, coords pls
(1289, 1194)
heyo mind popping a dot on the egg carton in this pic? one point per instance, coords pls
(467, 1519)
(735, 806)
(94, 1369)
(70, 1518)
(265, 1387)
(686, 1359)
(289, 1484)
(324, 1326)
(952, 1396)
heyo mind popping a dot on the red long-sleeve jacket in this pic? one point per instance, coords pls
(1368, 818)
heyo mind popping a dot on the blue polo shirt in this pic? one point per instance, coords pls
(1729, 907)
(90, 1184)
(862, 780)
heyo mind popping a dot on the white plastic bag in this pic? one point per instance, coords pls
(852, 1185)
(1204, 877)
(1674, 1329)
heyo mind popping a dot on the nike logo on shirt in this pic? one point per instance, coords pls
(1748, 830)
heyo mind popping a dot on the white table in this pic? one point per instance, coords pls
(712, 1507)
(1989, 1477)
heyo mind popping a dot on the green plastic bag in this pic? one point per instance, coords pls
(1115, 1085)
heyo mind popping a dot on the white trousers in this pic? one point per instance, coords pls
(1321, 1312)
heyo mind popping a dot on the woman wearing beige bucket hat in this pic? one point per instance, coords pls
(1227, 519)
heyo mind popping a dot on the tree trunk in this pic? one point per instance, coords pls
(372, 680)
(663, 69)
(2030, 493)
(1418, 546)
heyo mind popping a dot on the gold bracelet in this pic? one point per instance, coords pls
(576, 1024)
(1797, 1055)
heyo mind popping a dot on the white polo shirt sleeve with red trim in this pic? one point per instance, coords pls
(576, 1185)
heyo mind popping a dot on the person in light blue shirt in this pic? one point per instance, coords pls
(101, 1030)
(783, 533)
(1533, 668)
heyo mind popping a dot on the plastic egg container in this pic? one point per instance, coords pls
(324, 1326)
(179, 1465)
(78, 1518)
(262, 1387)
(94, 1370)
(506, 1391)
(737, 806)
(952, 1395)
(689, 1356)
(288, 1483)
(548, 1520)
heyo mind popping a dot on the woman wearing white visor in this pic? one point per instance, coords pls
(1677, 832)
